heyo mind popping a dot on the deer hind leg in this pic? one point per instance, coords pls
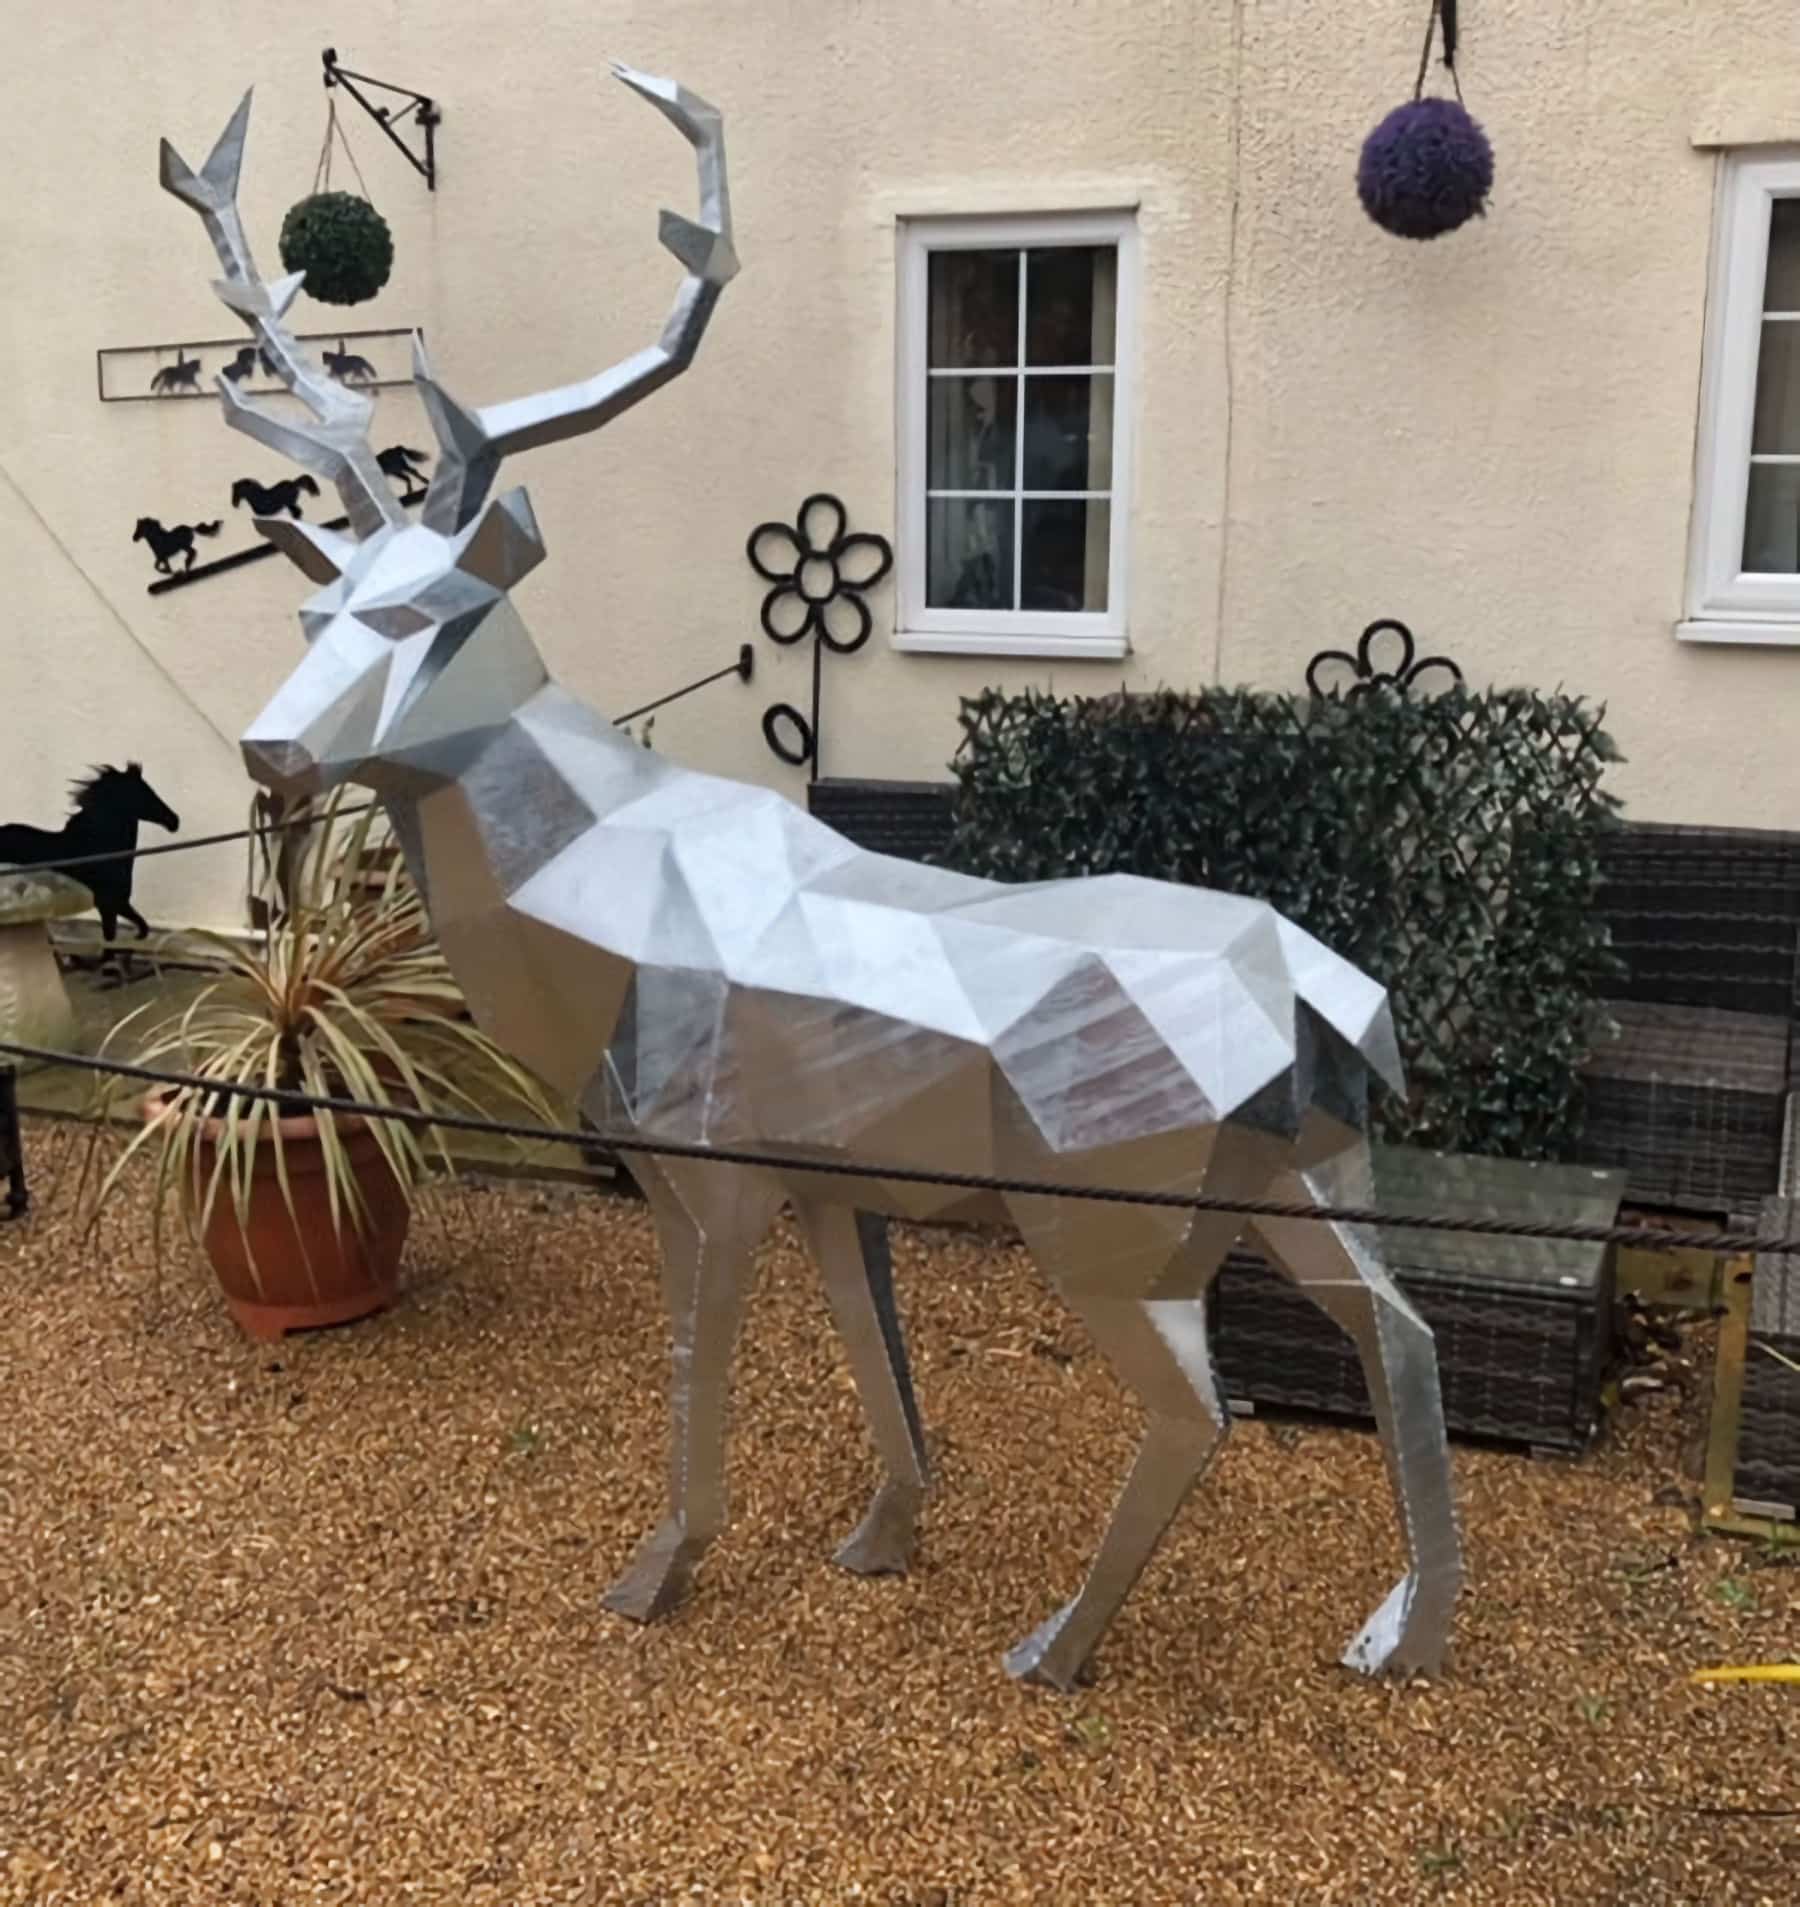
(1340, 1272)
(709, 1221)
(1158, 1348)
(851, 1250)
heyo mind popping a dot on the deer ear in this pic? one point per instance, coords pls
(505, 543)
(323, 554)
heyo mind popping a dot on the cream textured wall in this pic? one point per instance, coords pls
(1491, 437)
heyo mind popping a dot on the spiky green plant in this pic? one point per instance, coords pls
(346, 996)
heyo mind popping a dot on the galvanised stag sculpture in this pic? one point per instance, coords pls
(697, 961)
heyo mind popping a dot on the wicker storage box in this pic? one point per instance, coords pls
(1690, 1102)
(1767, 1475)
(910, 819)
(1523, 1326)
(1703, 916)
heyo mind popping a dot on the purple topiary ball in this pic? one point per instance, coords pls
(1425, 170)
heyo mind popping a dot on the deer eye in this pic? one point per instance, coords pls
(398, 620)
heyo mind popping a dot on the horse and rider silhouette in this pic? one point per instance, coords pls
(182, 375)
(347, 367)
(109, 805)
(245, 362)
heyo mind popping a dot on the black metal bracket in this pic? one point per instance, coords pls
(742, 668)
(414, 494)
(418, 107)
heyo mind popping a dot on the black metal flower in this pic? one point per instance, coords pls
(1362, 667)
(828, 568)
(823, 570)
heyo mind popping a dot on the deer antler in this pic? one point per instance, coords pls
(337, 444)
(473, 442)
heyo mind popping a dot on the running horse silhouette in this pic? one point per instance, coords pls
(176, 541)
(109, 806)
(271, 499)
(699, 962)
(407, 466)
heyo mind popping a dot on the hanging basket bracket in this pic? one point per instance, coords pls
(418, 108)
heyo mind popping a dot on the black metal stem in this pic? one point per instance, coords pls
(812, 768)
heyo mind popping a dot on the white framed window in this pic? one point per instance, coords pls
(1744, 563)
(1015, 398)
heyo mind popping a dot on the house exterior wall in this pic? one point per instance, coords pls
(1490, 437)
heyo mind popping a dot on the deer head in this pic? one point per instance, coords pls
(414, 652)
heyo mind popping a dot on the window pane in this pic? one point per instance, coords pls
(972, 424)
(1778, 388)
(974, 308)
(1772, 520)
(1068, 433)
(1064, 566)
(969, 553)
(1781, 290)
(1070, 304)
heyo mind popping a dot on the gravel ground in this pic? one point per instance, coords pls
(320, 1623)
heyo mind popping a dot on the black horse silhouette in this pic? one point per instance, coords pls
(109, 804)
(173, 542)
(272, 499)
(347, 367)
(407, 465)
(182, 375)
(244, 363)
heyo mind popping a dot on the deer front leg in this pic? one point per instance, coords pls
(1158, 1349)
(851, 1251)
(709, 1221)
(1410, 1632)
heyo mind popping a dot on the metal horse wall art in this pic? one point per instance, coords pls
(108, 807)
(698, 961)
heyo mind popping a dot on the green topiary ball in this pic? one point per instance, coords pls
(341, 243)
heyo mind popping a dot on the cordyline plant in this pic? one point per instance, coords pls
(346, 996)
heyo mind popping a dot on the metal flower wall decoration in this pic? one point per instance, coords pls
(817, 565)
(1366, 675)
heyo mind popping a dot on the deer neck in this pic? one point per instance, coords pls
(552, 774)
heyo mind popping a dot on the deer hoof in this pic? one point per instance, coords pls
(1403, 1637)
(659, 1578)
(1046, 1658)
(882, 1543)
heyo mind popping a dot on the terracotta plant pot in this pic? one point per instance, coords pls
(272, 1283)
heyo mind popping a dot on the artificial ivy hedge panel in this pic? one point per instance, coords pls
(1450, 846)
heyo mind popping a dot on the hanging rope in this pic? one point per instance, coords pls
(335, 133)
(1443, 13)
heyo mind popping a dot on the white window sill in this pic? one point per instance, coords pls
(1018, 642)
(1762, 632)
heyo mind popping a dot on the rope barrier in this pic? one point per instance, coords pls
(198, 841)
(1644, 1237)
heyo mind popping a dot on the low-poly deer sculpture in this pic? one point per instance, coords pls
(698, 962)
